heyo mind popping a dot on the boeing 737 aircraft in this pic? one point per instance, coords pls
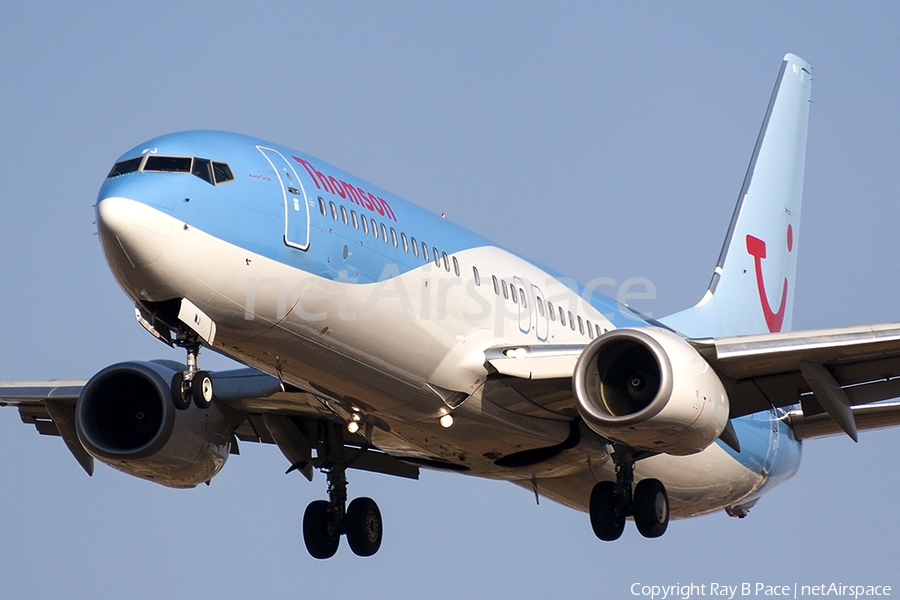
(379, 336)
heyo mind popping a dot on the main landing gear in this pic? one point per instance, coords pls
(192, 384)
(326, 520)
(611, 502)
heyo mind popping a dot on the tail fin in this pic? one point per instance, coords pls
(752, 288)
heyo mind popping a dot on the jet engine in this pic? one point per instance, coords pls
(125, 418)
(649, 389)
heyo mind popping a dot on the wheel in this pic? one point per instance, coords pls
(181, 397)
(608, 522)
(201, 389)
(363, 526)
(320, 539)
(651, 508)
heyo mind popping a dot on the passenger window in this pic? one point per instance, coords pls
(562, 316)
(437, 256)
(550, 311)
(571, 321)
(393, 237)
(355, 221)
(344, 215)
(405, 243)
(540, 305)
(333, 210)
(365, 224)
(374, 229)
(505, 290)
(456, 266)
(496, 285)
(222, 172)
(425, 252)
(512, 294)
(415, 246)
(522, 295)
(384, 234)
(446, 261)
(590, 329)
(475, 272)
(322, 208)
(580, 325)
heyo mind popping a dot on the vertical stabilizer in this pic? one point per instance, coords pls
(752, 288)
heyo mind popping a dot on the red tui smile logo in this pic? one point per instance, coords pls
(757, 248)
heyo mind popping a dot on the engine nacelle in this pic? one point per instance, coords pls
(649, 389)
(125, 418)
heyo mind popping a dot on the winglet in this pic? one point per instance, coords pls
(752, 286)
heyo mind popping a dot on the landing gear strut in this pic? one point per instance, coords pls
(324, 521)
(192, 384)
(611, 502)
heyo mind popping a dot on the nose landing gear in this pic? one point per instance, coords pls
(192, 384)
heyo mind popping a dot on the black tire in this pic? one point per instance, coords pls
(321, 541)
(202, 389)
(608, 522)
(180, 397)
(651, 508)
(363, 527)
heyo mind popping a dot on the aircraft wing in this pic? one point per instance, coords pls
(257, 406)
(836, 375)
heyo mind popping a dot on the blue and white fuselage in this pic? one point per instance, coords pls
(385, 310)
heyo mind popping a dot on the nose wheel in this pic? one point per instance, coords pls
(611, 502)
(193, 384)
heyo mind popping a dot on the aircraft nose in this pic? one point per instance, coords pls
(133, 229)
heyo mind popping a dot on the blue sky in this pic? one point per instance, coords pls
(601, 139)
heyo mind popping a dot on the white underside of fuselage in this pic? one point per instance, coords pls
(374, 347)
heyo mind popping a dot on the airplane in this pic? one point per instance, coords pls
(379, 336)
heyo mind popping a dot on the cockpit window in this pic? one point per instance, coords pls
(222, 172)
(126, 166)
(172, 164)
(211, 172)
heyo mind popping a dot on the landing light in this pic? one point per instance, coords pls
(353, 427)
(447, 421)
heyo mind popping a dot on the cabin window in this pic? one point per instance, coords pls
(505, 289)
(456, 266)
(475, 272)
(322, 208)
(446, 261)
(333, 211)
(374, 229)
(415, 246)
(590, 329)
(384, 235)
(522, 295)
(365, 224)
(437, 256)
(344, 215)
(512, 294)
(496, 285)
(405, 243)
(562, 317)
(550, 311)
(393, 237)
(355, 221)
(571, 321)
(580, 325)
(425, 252)
(540, 305)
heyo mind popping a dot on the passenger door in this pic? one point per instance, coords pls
(296, 207)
